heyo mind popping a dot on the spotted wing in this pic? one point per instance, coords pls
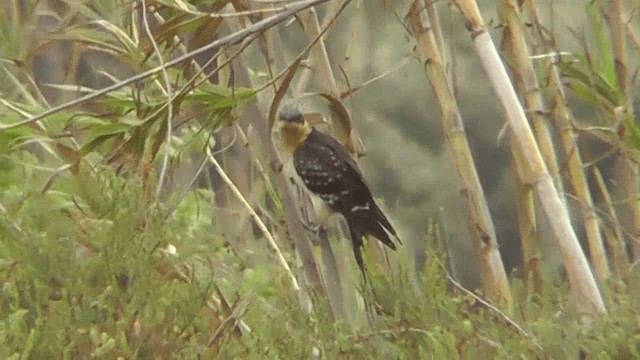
(327, 170)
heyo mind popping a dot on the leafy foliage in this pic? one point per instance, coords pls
(87, 276)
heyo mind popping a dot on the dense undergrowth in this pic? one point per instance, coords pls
(95, 262)
(88, 274)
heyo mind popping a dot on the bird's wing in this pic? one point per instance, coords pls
(327, 170)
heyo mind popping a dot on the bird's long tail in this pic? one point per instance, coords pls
(369, 220)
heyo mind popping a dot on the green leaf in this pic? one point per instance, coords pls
(603, 61)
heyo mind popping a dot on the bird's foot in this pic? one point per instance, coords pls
(311, 227)
(318, 230)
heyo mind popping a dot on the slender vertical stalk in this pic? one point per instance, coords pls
(480, 225)
(563, 119)
(320, 58)
(614, 237)
(527, 225)
(626, 170)
(272, 242)
(579, 273)
(512, 45)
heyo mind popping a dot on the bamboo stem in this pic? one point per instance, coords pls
(524, 75)
(320, 58)
(480, 225)
(527, 224)
(577, 176)
(525, 199)
(579, 273)
(626, 170)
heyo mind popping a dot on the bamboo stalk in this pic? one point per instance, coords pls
(480, 225)
(524, 75)
(580, 277)
(527, 224)
(307, 71)
(320, 58)
(525, 199)
(626, 170)
(578, 178)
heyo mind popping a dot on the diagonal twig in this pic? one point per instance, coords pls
(256, 218)
(489, 306)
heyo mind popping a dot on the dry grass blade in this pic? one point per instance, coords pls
(354, 89)
(234, 316)
(343, 121)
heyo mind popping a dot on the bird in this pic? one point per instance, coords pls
(325, 170)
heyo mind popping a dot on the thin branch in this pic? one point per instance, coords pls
(255, 217)
(489, 306)
(236, 316)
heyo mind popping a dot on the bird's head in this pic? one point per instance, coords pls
(291, 124)
(290, 113)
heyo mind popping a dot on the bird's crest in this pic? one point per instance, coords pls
(291, 111)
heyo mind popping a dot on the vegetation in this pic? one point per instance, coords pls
(143, 214)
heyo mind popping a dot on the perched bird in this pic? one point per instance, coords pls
(321, 166)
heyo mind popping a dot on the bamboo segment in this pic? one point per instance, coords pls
(525, 199)
(577, 176)
(579, 273)
(514, 42)
(527, 225)
(480, 225)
